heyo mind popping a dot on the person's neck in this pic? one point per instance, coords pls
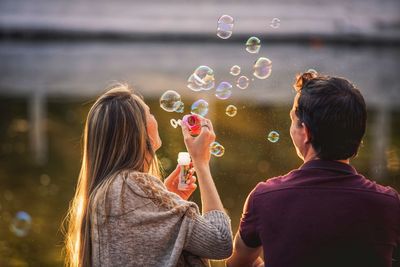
(346, 161)
(310, 155)
(313, 156)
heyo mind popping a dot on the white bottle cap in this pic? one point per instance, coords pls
(183, 158)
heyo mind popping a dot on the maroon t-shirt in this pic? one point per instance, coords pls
(322, 214)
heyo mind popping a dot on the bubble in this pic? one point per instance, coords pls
(8, 195)
(231, 111)
(201, 79)
(273, 137)
(217, 149)
(175, 123)
(275, 23)
(45, 179)
(225, 26)
(200, 107)
(235, 70)
(253, 45)
(179, 107)
(168, 100)
(242, 82)
(21, 224)
(224, 90)
(262, 68)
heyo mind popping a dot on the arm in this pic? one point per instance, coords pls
(247, 246)
(199, 149)
(209, 195)
(210, 236)
(244, 255)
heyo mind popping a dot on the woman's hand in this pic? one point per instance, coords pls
(172, 181)
(199, 146)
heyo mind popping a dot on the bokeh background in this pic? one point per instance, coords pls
(57, 56)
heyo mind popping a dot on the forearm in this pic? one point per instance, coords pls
(211, 236)
(209, 195)
(244, 256)
(235, 261)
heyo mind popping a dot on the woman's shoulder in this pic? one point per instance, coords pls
(131, 191)
(122, 193)
(137, 177)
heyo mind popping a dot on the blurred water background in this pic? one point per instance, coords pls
(56, 57)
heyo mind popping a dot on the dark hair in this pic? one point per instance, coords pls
(334, 111)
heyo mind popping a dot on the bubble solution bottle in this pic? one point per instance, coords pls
(184, 162)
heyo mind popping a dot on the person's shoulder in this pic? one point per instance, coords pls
(134, 185)
(274, 183)
(136, 178)
(379, 189)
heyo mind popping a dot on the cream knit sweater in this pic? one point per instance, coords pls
(138, 231)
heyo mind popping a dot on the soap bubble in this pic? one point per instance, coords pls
(253, 45)
(179, 106)
(273, 137)
(262, 68)
(21, 224)
(231, 111)
(175, 123)
(225, 26)
(275, 23)
(224, 90)
(168, 100)
(200, 107)
(235, 70)
(201, 79)
(45, 179)
(242, 82)
(217, 149)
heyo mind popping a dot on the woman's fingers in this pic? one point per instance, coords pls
(205, 126)
(173, 178)
(186, 133)
(192, 187)
(191, 183)
(191, 180)
(209, 123)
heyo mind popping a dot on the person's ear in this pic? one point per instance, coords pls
(307, 133)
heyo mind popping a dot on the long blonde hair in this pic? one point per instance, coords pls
(115, 140)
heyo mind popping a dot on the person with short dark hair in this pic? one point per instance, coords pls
(323, 213)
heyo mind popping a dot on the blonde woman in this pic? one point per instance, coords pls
(122, 214)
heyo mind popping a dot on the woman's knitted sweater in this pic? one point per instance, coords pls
(139, 231)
